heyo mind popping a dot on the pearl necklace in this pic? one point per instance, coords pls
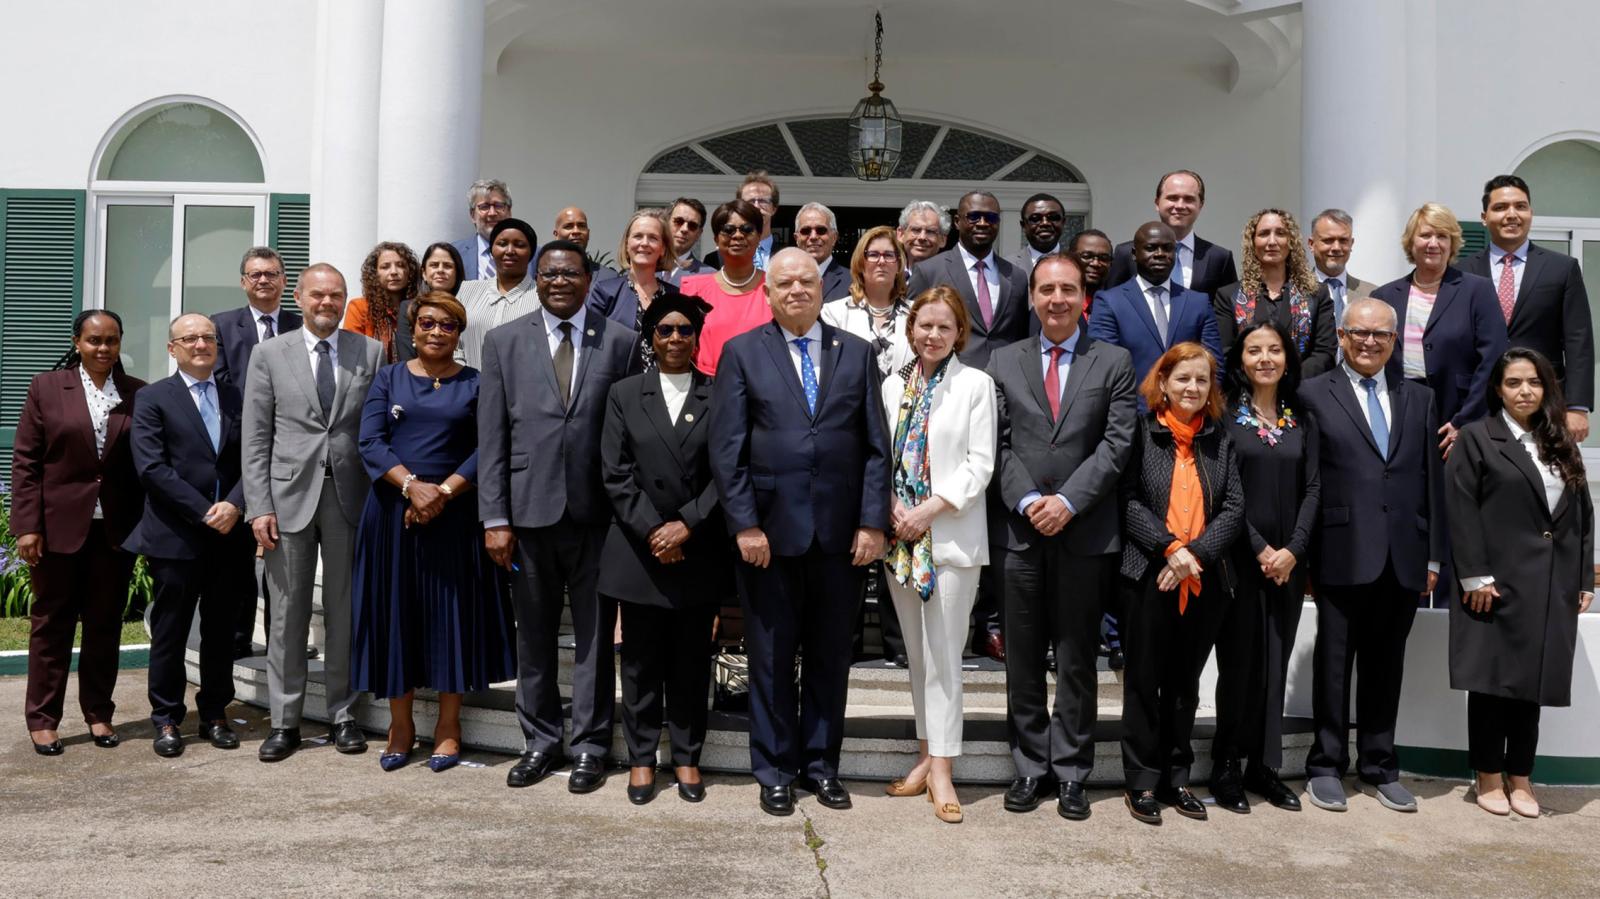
(745, 283)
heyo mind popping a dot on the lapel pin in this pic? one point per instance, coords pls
(590, 332)
(688, 416)
(836, 341)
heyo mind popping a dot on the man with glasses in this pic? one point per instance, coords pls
(760, 190)
(541, 408)
(1043, 221)
(1377, 550)
(1092, 248)
(263, 317)
(685, 223)
(488, 201)
(1199, 264)
(922, 230)
(816, 231)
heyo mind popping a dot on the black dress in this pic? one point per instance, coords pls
(1315, 335)
(1282, 492)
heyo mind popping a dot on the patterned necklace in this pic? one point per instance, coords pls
(1269, 432)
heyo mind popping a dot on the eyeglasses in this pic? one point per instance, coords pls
(813, 231)
(193, 340)
(1362, 335)
(493, 207)
(881, 256)
(920, 231)
(731, 230)
(691, 224)
(1037, 217)
(665, 332)
(762, 202)
(976, 216)
(1094, 257)
(558, 274)
(445, 325)
(262, 276)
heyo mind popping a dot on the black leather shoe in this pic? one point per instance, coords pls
(169, 743)
(1143, 806)
(1072, 801)
(1116, 661)
(107, 741)
(588, 772)
(639, 795)
(778, 800)
(348, 738)
(219, 733)
(1264, 782)
(1227, 787)
(900, 660)
(1184, 802)
(531, 768)
(993, 646)
(280, 744)
(691, 792)
(828, 790)
(1026, 793)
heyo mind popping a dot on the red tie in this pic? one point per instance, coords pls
(985, 304)
(1508, 286)
(1052, 383)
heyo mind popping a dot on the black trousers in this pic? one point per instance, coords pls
(988, 608)
(213, 582)
(1052, 599)
(557, 562)
(1362, 628)
(90, 585)
(798, 604)
(1253, 648)
(666, 661)
(1161, 685)
(244, 627)
(894, 642)
(1502, 734)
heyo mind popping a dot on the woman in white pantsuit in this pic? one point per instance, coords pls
(943, 455)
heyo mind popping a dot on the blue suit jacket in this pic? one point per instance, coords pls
(1376, 510)
(182, 475)
(468, 249)
(1465, 334)
(236, 338)
(613, 297)
(1122, 318)
(801, 478)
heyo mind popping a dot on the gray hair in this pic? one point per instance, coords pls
(484, 187)
(1338, 215)
(1365, 302)
(926, 206)
(833, 222)
(259, 253)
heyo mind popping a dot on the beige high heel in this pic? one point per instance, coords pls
(948, 812)
(899, 787)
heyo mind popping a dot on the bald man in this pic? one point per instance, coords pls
(572, 224)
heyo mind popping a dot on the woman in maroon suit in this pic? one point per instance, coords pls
(74, 498)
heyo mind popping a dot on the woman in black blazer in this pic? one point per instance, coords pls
(667, 557)
(644, 256)
(1183, 507)
(74, 499)
(1522, 531)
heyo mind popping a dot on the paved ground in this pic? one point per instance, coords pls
(125, 822)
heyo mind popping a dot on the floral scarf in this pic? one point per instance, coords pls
(911, 564)
(1244, 312)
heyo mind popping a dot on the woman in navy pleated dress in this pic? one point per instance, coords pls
(428, 605)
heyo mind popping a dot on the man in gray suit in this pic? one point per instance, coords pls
(1331, 239)
(1043, 222)
(304, 485)
(1067, 417)
(541, 408)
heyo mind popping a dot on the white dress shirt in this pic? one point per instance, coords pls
(488, 308)
(261, 330)
(311, 353)
(1035, 255)
(990, 273)
(1519, 265)
(553, 334)
(101, 401)
(675, 390)
(1183, 265)
(1063, 368)
(1361, 396)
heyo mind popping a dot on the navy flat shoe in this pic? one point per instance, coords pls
(437, 762)
(394, 761)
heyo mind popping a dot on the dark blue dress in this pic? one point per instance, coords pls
(427, 603)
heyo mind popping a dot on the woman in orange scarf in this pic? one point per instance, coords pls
(1183, 507)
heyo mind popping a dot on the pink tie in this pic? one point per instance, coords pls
(985, 304)
(1508, 286)
(1052, 383)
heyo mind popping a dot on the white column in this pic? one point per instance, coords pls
(1366, 114)
(344, 175)
(430, 118)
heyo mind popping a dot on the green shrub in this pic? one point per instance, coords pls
(16, 585)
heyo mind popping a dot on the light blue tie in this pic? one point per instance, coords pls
(808, 374)
(208, 414)
(1380, 427)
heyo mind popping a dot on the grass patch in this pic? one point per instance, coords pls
(14, 634)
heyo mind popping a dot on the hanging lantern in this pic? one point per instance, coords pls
(875, 128)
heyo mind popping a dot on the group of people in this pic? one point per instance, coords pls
(1148, 441)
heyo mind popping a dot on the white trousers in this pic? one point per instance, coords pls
(935, 633)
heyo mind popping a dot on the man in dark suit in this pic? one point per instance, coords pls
(488, 201)
(1043, 220)
(816, 230)
(1541, 295)
(1378, 547)
(800, 452)
(1067, 416)
(996, 294)
(1200, 265)
(186, 448)
(263, 317)
(1153, 312)
(541, 410)
(686, 221)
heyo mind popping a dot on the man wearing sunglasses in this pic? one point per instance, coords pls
(488, 201)
(816, 231)
(1043, 221)
(994, 289)
(685, 223)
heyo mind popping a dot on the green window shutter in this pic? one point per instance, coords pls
(41, 290)
(1474, 237)
(290, 234)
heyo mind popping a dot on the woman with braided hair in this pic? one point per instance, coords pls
(1278, 284)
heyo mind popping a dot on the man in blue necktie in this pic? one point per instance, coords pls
(800, 452)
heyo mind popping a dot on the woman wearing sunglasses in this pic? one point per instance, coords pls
(427, 604)
(667, 558)
(738, 300)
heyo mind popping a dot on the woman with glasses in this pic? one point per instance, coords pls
(876, 309)
(427, 604)
(737, 292)
(626, 297)
(668, 557)
(1278, 285)
(390, 276)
